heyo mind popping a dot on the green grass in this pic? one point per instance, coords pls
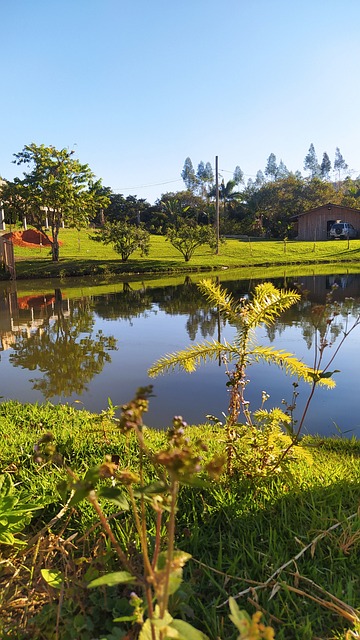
(239, 532)
(81, 256)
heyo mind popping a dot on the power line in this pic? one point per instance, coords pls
(144, 186)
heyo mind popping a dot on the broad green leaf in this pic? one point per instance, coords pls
(52, 577)
(112, 579)
(160, 623)
(186, 631)
(175, 580)
(155, 488)
(79, 495)
(328, 374)
(146, 632)
(116, 495)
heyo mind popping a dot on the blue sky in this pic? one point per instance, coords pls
(139, 85)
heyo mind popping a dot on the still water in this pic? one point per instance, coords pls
(83, 344)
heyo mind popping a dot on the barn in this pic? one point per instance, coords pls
(315, 224)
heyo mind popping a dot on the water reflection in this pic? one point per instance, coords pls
(55, 337)
(184, 299)
(91, 345)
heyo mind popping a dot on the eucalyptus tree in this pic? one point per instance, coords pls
(282, 171)
(57, 189)
(339, 163)
(325, 166)
(238, 176)
(271, 169)
(259, 180)
(205, 178)
(311, 163)
(188, 175)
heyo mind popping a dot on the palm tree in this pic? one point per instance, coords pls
(226, 193)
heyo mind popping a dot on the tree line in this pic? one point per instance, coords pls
(57, 189)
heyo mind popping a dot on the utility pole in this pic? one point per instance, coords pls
(217, 214)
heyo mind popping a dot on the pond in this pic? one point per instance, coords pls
(82, 344)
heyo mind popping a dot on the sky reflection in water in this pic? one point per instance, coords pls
(99, 346)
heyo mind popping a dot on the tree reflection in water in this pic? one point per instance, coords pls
(185, 299)
(64, 349)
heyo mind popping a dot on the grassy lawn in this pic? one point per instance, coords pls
(80, 255)
(289, 542)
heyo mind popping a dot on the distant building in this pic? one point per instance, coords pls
(315, 224)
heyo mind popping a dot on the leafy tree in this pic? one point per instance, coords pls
(186, 236)
(188, 175)
(310, 163)
(339, 162)
(325, 166)
(133, 209)
(58, 187)
(14, 205)
(271, 168)
(269, 208)
(184, 205)
(125, 238)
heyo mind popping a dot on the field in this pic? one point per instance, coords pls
(80, 256)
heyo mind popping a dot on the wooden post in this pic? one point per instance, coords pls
(2, 218)
(217, 214)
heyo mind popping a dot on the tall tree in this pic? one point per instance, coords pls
(209, 173)
(310, 162)
(188, 175)
(57, 187)
(271, 168)
(260, 179)
(282, 171)
(238, 176)
(339, 162)
(205, 177)
(325, 166)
